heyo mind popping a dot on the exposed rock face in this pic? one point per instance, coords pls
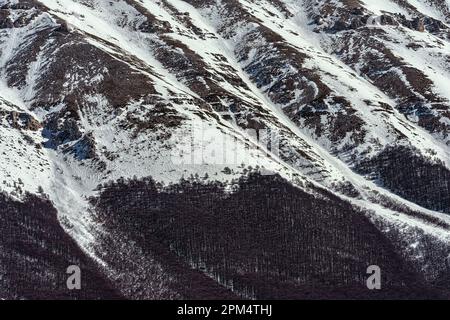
(20, 120)
(346, 96)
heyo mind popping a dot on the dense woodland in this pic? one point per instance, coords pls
(264, 239)
(412, 176)
(35, 253)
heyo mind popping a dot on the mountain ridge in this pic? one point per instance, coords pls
(92, 93)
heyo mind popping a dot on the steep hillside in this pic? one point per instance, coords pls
(348, 98)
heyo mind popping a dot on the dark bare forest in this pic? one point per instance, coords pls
(35, 253)
(265, 239)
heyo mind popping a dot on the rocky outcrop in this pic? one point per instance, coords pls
(20, 120)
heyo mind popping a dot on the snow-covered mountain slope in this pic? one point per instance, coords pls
(348, 98)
